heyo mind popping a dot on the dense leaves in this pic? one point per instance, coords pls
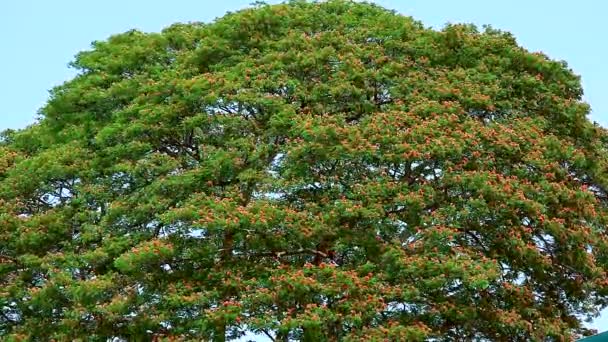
(306, 171)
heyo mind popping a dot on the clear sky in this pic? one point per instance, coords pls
(39, 37)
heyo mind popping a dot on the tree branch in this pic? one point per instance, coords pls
(9, 258)
(268, 334)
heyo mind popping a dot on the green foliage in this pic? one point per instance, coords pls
(308, 171)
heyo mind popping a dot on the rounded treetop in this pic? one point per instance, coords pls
(306, 171)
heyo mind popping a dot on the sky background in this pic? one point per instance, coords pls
(39, 38)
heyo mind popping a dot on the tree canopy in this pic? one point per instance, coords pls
(328, 171)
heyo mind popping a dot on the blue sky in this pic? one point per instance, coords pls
(40, 37)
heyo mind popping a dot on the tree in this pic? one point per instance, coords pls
(308, 171)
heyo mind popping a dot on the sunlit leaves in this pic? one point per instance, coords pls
(306, 171)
